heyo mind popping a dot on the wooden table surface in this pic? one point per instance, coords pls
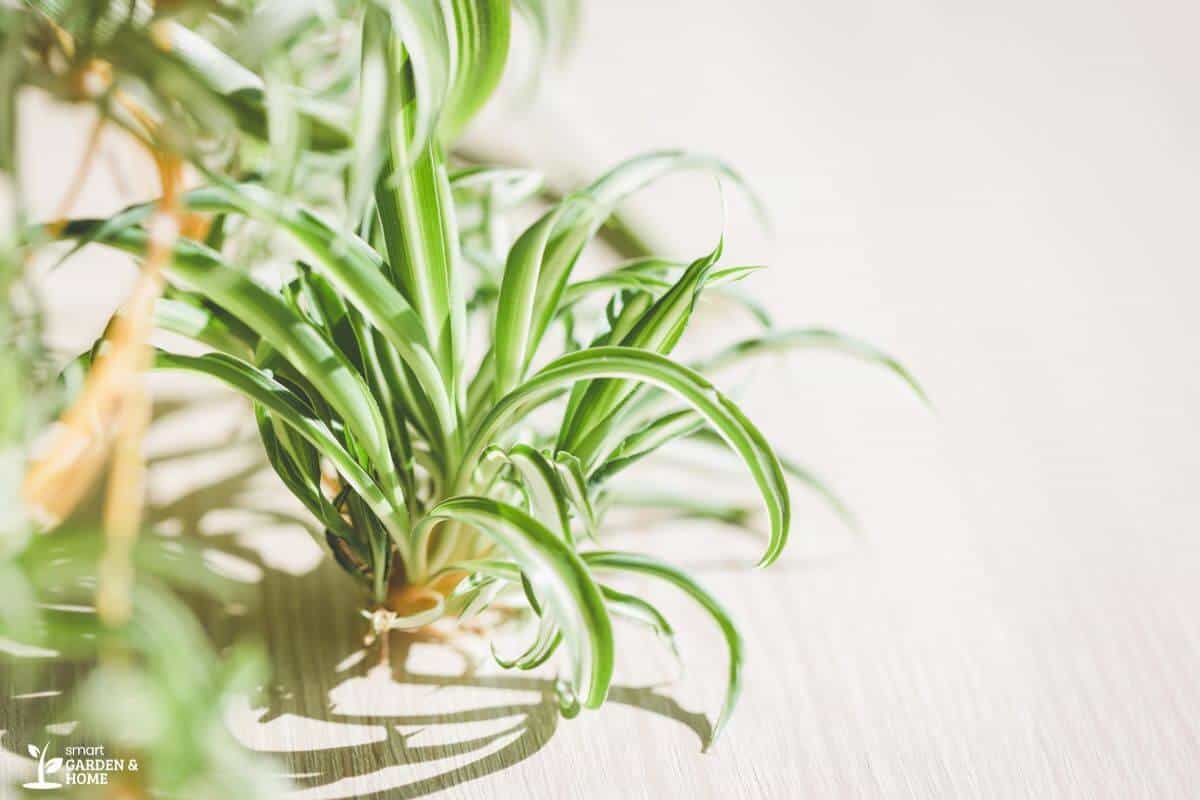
(1005, 198)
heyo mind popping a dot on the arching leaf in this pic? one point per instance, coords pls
(645, 565)
(623, 362)
(559, 578)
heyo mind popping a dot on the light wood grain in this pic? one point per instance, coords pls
(1005, 196)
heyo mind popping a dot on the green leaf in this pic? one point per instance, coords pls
(576, 220)
(287, 133)
(355, 270)
(300, 342)
(559, 578)
(644, 275)
(511, 349)
(243, 91)
(687, 423)
(623, 362)
(302, 482)
(638, 610)
(417, 33)
(349, 263)
(478, 597)
(678, 505)
(289, 409)
(645, 565)
(416, 214)
(542, 485)
(658, 330)
(415, 206)
(481, 33)
(508, 186)
(246, 93)
(678, 424)
(570, 472)
(630, 176)
(806, 477)
(816, 338)
(370, 112)
(275, 24)
(199, 324)
(489, 568)
(666, 428)
(544, 644)
(554, 25)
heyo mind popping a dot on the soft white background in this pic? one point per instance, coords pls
(1004, 195)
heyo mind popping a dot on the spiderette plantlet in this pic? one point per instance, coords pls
(436, 483)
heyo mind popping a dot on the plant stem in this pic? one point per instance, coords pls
(126, 488)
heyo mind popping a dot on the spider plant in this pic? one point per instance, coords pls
(441, 473)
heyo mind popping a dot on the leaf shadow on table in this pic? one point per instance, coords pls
(344, 724)
(398, 730)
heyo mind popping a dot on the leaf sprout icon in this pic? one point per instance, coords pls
(44, 768)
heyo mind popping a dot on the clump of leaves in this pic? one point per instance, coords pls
(441, 473)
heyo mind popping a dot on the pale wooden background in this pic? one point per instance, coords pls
(1003, 195)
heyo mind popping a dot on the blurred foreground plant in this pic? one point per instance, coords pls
(157, 688)
(161, 701)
